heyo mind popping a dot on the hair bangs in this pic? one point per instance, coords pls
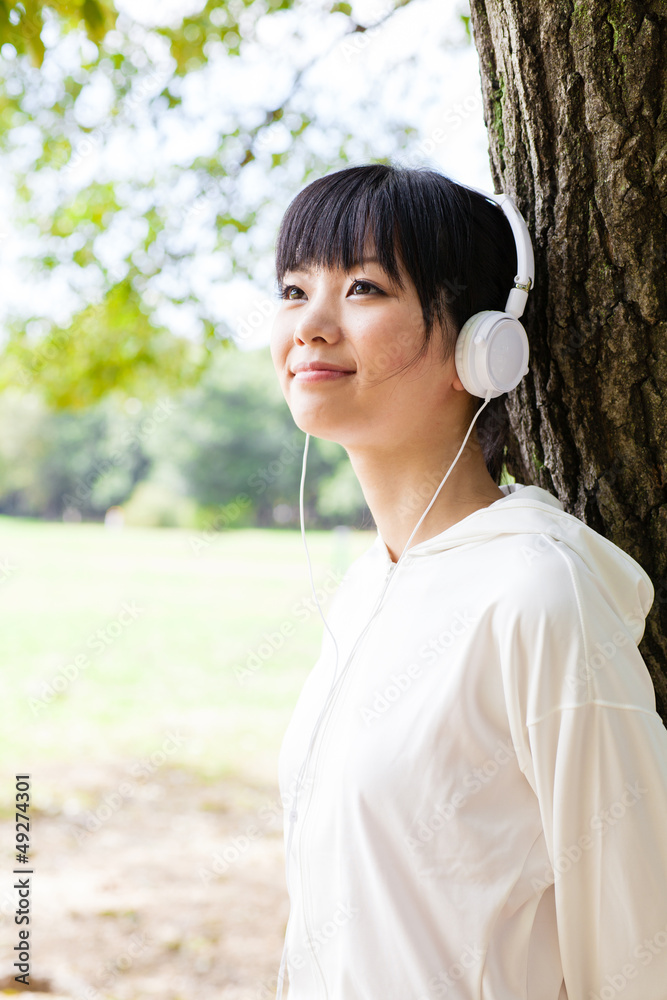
(338, 221)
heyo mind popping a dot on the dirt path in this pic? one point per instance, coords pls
(127, 901)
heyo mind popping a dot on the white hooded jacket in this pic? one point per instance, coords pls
(484, 814)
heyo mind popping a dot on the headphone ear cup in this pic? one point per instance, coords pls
(491, 353)
(464, 353)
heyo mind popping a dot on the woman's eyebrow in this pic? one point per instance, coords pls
(307, 268)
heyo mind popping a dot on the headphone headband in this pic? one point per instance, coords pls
(525, 278)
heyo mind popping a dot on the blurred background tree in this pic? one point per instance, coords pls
(183, 461)
(149, 152)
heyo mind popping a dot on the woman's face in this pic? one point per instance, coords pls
(359, 322)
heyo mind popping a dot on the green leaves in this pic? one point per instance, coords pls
(110, 345)
(90, 208)
(21, 23)
(99, 19)
(20, 26)
(216, 25)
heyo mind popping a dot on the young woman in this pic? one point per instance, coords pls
(475, 776)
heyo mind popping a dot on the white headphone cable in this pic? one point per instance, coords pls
(293, 814)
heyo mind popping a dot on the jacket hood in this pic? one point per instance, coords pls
(533, 510)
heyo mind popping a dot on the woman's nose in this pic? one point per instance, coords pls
(317, 323)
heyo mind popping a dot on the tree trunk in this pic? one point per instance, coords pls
(575, 102)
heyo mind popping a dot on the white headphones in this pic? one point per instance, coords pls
(492, 347)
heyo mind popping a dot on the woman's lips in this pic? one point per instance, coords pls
(319, 375)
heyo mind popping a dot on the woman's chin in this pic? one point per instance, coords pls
(328, 430)
(318, 430)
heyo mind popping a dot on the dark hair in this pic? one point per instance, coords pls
(455, 244)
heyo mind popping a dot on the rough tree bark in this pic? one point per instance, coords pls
(575, 102)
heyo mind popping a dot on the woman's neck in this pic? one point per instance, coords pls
(398, 485)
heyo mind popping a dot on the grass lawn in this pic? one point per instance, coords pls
(114, 639)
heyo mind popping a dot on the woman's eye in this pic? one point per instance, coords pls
(286, 291)
(367, 284)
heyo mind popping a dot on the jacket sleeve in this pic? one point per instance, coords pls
(582, 713)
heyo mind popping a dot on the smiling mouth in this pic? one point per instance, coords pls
(320, 375)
